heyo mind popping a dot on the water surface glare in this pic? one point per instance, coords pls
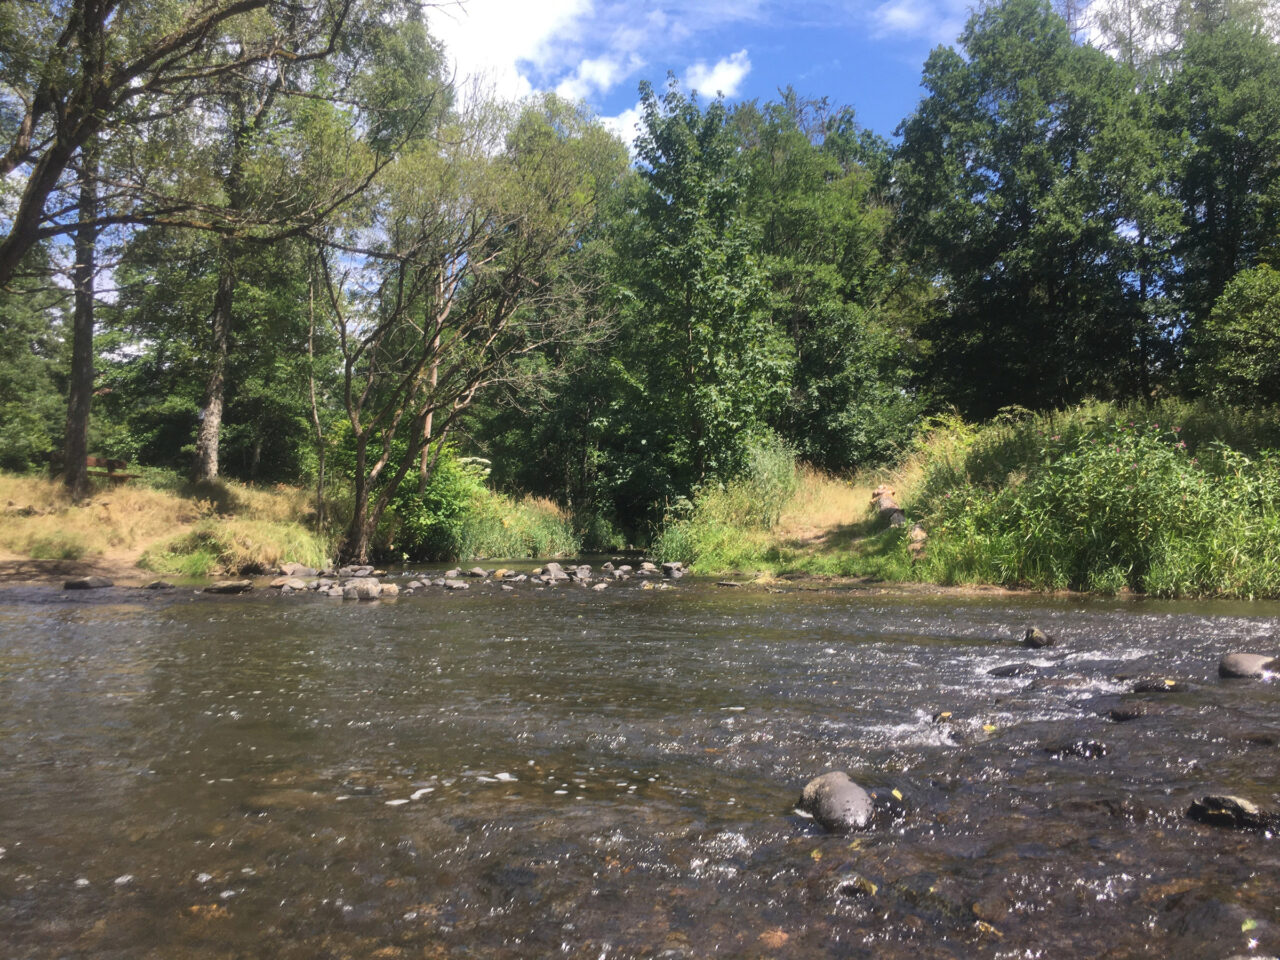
(565, 773)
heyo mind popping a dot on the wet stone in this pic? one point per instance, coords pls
(456, 585)
(230, 586)
(1238, 813)
(1037, 638)
(1244, 666)
(158, 585)
(1128, 712)
(1161, 685)
(87, 583)
(837, 802)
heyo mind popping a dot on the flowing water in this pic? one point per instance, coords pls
(565, 773)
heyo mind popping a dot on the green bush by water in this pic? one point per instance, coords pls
(1083, 501)
(715, 531)
(458, 517)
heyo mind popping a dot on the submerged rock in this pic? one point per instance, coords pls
(1161, 685)
(87, 583)
(158, 585)
(230, 586)
(600, 586)
(1222, 810)
(1037, 638)
(1127, 712)
(837, 802)
(1244, 666)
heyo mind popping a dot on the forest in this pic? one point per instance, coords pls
(268, 243)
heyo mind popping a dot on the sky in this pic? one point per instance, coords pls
(867, 54)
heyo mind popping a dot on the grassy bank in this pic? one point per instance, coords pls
(1176, 499)
(157, 525)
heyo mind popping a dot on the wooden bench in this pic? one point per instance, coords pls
(113, 470)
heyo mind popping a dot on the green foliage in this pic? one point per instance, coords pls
(1221, 105)
(708, 531)
(237, 546)
(1237, 348)
(1100, 505)
(1023, 177)
(32, 358)
(457, 517)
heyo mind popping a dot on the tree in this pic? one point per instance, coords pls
(1020, 186)
(706, 367)
(1238, 348)
(474, 271)
(73, 70)
(1221, 107)
(813, 189)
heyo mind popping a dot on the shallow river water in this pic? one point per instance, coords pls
(565, 773)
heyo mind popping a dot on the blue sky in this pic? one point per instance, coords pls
(865, 53)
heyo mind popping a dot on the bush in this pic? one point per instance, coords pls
(458, 517)
(1105, 507)
(714, 528)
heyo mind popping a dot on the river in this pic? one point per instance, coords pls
(560, 772)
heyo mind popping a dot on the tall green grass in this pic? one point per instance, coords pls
(1179, 500)
(457, 517)
(725, 526)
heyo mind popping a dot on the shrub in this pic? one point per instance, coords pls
(1107, 506)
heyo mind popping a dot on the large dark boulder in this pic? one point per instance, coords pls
(1037, 638)
(837, 802)
(1237, 813)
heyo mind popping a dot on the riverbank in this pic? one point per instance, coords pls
(1172, 500)
(133, 532)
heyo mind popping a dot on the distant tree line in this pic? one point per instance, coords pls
(273, 241)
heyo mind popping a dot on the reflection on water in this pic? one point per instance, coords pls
(574, 774)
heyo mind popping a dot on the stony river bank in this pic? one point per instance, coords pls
(559, 770)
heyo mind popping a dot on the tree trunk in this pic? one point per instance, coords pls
(211, 418)
(355, 542)
(80, 392)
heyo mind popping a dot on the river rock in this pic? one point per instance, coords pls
(837, 802)
(334, 591)
(1244, 666)
(290, 583)
(602, 585)
(478, 573)
(1221, 810)
(581, 572)
(453, 574)
(553, 572)
(1161, 685)
(297, 570)
(451, 584)
(1127, 712)
(355, 571)
(362, 588)
(87, 583)
(625, 568)
(388, 590)
(647, 585)
(158, 585)
(230, 586)
(648, 567)
(607, 566)
(1037, 638)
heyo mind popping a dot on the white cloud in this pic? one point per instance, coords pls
(490, 39)
(937, 21)
(598, 75)
(624, 125)
(723, 78)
